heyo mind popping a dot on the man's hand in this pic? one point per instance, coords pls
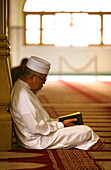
(69, 122)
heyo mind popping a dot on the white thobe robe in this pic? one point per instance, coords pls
(36, 130)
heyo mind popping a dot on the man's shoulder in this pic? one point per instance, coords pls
(22, 87)
(19, 91)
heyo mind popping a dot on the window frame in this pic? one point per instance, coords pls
(53, 13)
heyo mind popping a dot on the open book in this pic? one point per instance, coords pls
(77, 115)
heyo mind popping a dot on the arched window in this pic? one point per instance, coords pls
(67, 22)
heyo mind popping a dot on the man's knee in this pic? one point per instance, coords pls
(86, 132)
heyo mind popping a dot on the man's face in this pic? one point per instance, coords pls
(38, 81)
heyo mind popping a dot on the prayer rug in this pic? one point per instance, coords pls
(65, 159)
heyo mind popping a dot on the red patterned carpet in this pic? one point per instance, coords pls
(93, 99)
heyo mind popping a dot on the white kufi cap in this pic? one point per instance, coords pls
(39, 65)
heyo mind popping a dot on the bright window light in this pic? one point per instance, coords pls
(48, 36)
(67, 5)
(94, 29)
(107, 29)
(32, 21)
(32, 29)
(62, 29)
(67, 23)
(80, 29)
(31, 38)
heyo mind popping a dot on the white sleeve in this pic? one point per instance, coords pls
(43, 128)
(31, 117)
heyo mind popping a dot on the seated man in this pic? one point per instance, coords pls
(33, 126)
